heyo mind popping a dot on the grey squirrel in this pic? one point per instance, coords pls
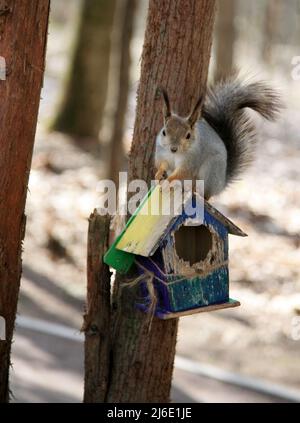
(216, 141)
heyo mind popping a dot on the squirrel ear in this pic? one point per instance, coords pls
(166, 105)
(195, 114)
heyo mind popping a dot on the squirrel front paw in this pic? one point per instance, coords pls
(161, 175)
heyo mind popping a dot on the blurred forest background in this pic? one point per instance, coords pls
(84, 133)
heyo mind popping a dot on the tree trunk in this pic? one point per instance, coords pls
(23, 29)
(83, 106)
(127, 10)
(175, 55)
(225, 37)
(270, 29)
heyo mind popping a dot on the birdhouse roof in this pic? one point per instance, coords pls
(145, 230)
(229, 225)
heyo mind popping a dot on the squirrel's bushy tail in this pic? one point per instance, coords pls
(224, 111)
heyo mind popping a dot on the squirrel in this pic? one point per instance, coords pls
(216, 141)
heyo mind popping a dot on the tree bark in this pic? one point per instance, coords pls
(175, 55)
(225, 37)
(270, 30)
(97, 317)
(83, 105)
(126, 20)
(23, 29)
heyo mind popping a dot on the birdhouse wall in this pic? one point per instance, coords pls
(181, 281)
(198, 291)
(175, 293)
(193, 250)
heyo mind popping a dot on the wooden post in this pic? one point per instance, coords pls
(23, 33)
(98, 315)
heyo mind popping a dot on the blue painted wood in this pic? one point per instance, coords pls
(189, 293)
(199, 291)
(161, 289)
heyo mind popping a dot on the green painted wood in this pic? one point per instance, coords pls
(118, 259)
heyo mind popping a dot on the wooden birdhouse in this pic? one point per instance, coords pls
(184, 256)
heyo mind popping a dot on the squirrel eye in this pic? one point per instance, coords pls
(188, 136)
(164, 133)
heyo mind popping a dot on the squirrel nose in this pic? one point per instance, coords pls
(173, 149)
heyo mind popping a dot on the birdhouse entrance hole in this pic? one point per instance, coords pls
(193, 243)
